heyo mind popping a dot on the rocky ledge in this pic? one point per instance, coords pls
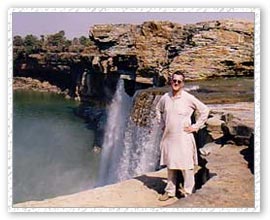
(27, 83)
(230, 164)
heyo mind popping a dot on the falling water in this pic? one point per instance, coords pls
(128, 150)
(114, 135)
(141, 152)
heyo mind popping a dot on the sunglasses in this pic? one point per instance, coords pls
(177, 81)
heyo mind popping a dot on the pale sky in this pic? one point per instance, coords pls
(76, 24)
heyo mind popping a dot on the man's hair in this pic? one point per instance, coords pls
(179, 72)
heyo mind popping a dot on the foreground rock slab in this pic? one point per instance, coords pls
(139, 192)
(231, 184)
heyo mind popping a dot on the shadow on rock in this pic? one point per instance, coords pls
(248, 154)
(154, 183)
(159, 183)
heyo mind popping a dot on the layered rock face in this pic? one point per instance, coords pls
(145, 54)
(202, 50)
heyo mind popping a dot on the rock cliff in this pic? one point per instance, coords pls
(144, 54)
(202, 50)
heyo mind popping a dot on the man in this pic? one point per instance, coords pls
(178, 147)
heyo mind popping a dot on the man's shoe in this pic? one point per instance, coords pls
(165, 197)
(183, 193)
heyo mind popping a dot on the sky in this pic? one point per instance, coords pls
(76, 24)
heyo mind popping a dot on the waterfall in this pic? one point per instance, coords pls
(114, 135)
(128, 149)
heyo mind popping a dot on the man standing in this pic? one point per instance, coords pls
(178, 147)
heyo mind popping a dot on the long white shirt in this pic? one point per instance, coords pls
(178, 148)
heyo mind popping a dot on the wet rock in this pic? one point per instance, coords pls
(96, 149)
(143, 110)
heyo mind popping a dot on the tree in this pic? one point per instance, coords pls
(32, 44)
(18, 47)
(17, 41)
(85, 41)
(30, 40)
(42, 38)
(57, 39)
(75, 41)
(67, 43)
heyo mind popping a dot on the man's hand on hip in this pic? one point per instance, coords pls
(190, 129)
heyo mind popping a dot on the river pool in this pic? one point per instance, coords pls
(52, 148)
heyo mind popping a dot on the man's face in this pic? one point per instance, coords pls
(177, 82)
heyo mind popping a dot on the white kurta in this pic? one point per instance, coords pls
(178, 148)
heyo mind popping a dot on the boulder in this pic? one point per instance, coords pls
(208, 148)
(213, 124)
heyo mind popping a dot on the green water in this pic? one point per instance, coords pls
(52, 153)
(219, 90)
(225, 90)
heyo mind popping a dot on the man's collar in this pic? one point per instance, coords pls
(177, 96)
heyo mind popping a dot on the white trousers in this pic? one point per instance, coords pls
(189, 181)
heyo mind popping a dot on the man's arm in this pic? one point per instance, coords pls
(160, 111)
(203, 114)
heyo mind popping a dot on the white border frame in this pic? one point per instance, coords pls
(103, 10)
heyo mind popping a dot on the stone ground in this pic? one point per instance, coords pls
(231, 184)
